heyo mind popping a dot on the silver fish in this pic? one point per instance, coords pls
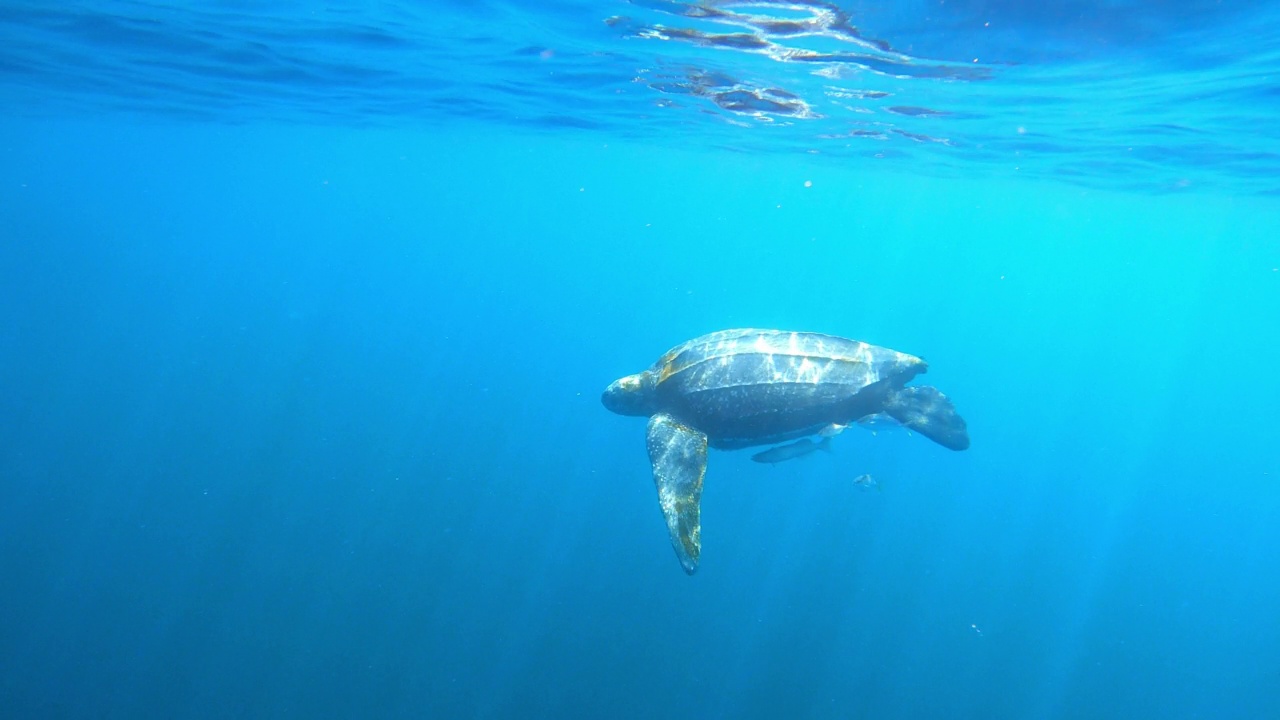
(832, 430)
(799, 448)
(878, 422)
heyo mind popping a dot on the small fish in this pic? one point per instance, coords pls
(832, 430)
(799, 448)
(865, 481)
(876, 419)
(877, 422)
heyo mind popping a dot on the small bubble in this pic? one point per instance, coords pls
(808, 183)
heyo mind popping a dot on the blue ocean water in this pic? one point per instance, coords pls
(305, 313)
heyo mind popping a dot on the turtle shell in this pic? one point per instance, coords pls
(756, 387)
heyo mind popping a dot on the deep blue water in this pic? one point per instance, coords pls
(305, 315)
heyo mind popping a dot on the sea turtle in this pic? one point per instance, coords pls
(739, 388)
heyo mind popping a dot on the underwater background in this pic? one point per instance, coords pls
(306, 309)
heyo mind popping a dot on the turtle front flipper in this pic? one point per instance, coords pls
(678, 454)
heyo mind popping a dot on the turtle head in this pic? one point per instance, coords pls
(631, 395)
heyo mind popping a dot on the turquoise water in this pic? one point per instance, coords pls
(306, 316)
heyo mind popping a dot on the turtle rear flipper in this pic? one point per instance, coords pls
(678, 454)
(927, 411)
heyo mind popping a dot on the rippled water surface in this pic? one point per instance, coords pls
(1152, 96)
